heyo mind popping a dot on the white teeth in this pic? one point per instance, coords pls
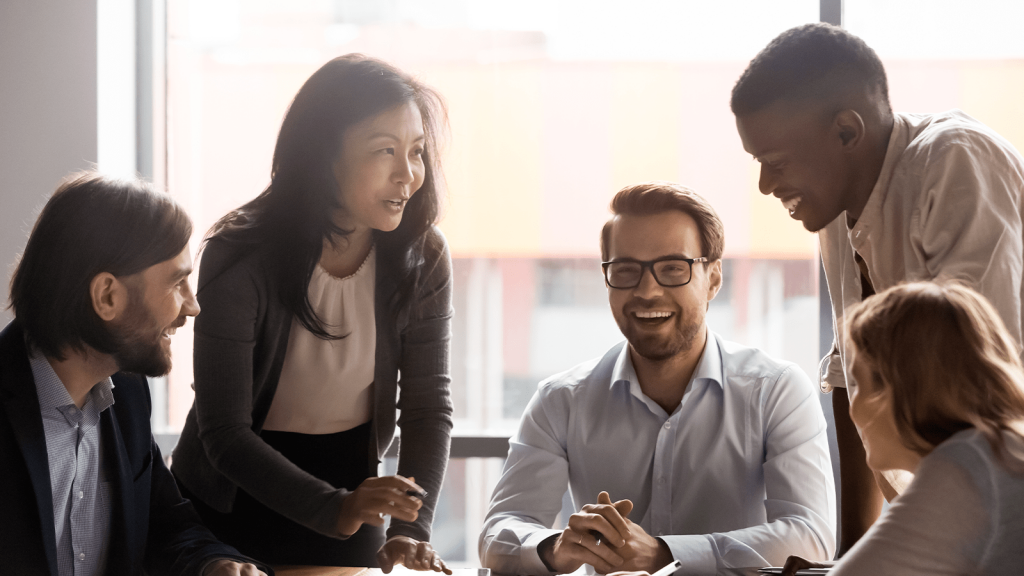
(653, 314)
(792, 203)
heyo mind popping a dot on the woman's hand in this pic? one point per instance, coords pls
(794, 563)
(414, 555)
(377, 497)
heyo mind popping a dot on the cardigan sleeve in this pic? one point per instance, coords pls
(233, 300)
(425, 401)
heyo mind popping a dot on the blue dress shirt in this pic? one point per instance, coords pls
(81, 492)
(738, 475)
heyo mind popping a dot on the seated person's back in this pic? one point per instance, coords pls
(938, 391)
(716, 452)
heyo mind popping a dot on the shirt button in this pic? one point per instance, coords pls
(668, 425)
(81, 494)
(81, 556)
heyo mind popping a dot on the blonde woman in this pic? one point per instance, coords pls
(938, 391)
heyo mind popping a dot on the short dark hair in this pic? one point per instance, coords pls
(814, 61)
(92, 224)
(651, 198)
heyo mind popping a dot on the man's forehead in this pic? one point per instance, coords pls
(775, 126)
(649, 236)
(179, 266)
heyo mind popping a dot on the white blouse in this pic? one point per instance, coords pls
(326, 386)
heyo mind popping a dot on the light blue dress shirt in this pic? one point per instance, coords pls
(738, 475)
(81, 494)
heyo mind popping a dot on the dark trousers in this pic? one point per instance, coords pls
(340, 459)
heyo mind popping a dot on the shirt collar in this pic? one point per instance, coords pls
(53, 394)
(708, 368)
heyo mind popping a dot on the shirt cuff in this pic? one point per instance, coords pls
(529, 558)
(694, 552)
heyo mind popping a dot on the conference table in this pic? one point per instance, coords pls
(402, 571)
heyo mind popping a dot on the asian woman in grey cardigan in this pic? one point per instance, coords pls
(319, 299)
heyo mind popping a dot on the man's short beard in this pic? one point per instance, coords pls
(657, 350)
(138, 351)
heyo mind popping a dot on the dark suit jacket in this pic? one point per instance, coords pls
(152, 527)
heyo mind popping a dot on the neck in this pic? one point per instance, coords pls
(665, 381)
(344, 255)
(80, 371)
(872, 162)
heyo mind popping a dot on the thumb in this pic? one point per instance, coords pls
(624, 507)
(604, 498)
(384, 560)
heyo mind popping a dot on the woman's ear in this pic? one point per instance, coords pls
(109, 296)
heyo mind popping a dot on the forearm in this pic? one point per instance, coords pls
(513, 545)
(423, 455)
(861, 500)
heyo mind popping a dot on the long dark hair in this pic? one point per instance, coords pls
(91, 224)
(292, 217)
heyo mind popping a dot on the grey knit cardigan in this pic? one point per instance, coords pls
(241, 336)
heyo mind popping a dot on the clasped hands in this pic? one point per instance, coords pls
(603, 536)
(390, 496)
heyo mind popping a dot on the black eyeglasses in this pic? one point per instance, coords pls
(668, 271)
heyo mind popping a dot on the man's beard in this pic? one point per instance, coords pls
(659, 348)
(140, 349)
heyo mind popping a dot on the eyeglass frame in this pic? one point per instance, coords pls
(649, 265)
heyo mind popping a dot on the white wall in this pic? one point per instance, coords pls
(47, 111)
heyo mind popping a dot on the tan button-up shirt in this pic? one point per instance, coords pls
(947, 206)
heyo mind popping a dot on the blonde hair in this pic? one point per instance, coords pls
(946, 357)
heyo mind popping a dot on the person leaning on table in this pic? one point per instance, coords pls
(321, 298)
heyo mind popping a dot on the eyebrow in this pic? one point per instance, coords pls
(664, 257)
(181, 273)
(376, 135)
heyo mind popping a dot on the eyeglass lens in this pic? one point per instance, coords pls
(666, 273)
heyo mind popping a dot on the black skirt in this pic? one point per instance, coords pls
(340, 459)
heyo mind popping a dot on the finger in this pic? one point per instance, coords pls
(400, 483)
(583, 542)
(604, 498)
(424, 554)
(794, 563)
(624, 507)
(603, 519)
(384, 560)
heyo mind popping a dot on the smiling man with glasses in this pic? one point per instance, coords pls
(715, 453)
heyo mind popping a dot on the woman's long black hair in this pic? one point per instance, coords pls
(293, 216)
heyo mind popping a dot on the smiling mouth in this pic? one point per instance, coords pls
(791, 203)
(651, 317)
(396, 203)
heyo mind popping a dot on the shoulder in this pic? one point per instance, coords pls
(745, 364)
(437, 259)
(968, 448)
(592, 375)
(231, 265)
(954, 136)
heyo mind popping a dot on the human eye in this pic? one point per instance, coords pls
(673, 270)
(418, 151)
(390, 151)
(623, 273)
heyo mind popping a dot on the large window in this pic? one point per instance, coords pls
(554, 106)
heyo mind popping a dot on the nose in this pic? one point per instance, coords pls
(648, 288)
(404, 172)
(190, 306)
(766, 182)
